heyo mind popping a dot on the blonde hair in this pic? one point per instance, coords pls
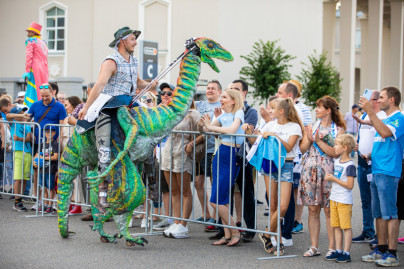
(289, 110)
(346, 140)
(238, 99)
(7, 97)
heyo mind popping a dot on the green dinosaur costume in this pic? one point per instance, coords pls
(135, 133)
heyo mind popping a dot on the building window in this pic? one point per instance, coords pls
(55, 29)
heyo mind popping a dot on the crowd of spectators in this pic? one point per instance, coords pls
(317, 170)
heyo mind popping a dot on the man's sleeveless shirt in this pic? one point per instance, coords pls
(124, 82)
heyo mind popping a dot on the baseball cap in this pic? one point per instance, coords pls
(18, 109)
(166, 85)
(21, 94)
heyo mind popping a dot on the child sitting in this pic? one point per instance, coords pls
(341, 197)
(48, 158)
(21, 135)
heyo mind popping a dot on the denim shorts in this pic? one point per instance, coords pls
(384, 196)
(48, 179)
(286, 173)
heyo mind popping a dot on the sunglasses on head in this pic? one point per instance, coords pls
(45, 87)
(147, 101)
(168, 93)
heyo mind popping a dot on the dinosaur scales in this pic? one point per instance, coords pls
(135, 133)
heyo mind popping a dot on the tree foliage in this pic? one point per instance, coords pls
(319, 78)
(267, 68)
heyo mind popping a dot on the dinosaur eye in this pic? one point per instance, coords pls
(210, 45)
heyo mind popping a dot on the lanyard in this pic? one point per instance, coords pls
(333, 133)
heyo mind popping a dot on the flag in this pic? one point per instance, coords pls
(31, 94)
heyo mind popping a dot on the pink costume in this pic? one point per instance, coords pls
(37, 58)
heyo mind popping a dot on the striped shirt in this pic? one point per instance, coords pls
(125, 79)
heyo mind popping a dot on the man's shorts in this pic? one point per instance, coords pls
(384, 196)
(22, 168)
(296, 180)
(200, 167)
(49, 180)
(341, 215)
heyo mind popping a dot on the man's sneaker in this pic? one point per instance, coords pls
(202, 219)
(163, 224)
(167, 232)
(75, 210)
(298, 228)
(343, 257)
(33, 208)
(401, 240)
(267, 243)
(373, 244)
(362, 238)
(333, 256)
(373, 256)
(179, 232)
(48, 210)
(388, 260)
(287, 242)
(19, 207)
(211, 229)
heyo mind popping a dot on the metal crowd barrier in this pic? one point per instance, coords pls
(258, 227)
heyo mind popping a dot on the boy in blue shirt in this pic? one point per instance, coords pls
(21, 135)
(387, 155)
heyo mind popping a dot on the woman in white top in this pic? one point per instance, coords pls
(287, 127)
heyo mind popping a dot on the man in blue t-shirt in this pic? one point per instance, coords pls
(213, 92)
(387, 155)
(45, 111)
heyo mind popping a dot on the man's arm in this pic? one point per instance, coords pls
(382, 129)
(108, 68)
(19, 117)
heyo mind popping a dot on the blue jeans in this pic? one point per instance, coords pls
(384, 196)
(366, 199)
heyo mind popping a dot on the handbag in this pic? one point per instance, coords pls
(200, 148)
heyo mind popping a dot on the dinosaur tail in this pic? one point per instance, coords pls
(71, 165)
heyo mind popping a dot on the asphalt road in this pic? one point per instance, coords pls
(34, 242)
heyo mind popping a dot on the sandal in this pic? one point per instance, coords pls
(222, 241)
(231, 240)
(281, 250)
(311, 253)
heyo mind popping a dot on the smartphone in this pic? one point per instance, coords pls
(367, 94)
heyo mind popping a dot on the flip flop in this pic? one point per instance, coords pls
(223, 241)
(234, 244)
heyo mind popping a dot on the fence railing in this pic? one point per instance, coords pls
(246, 184)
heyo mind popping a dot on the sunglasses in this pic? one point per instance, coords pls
(147, 101)
(45, 87)
(168, 93)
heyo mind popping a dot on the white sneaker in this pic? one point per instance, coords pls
(33, 208)
(144, 223)
(163, 224)
(167, 231)
(180, 232)
(287, 242)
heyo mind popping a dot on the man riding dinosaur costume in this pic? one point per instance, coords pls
(134, 134)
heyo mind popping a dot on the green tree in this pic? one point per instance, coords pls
(267, 68)
(319, 78)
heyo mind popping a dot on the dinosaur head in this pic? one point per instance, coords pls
(210, 49)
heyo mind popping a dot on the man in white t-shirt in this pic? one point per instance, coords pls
(365, 144)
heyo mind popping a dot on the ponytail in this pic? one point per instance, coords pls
(289, 110)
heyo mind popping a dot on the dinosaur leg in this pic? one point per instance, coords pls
(122, 222)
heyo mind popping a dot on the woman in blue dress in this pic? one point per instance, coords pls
(224, 169)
